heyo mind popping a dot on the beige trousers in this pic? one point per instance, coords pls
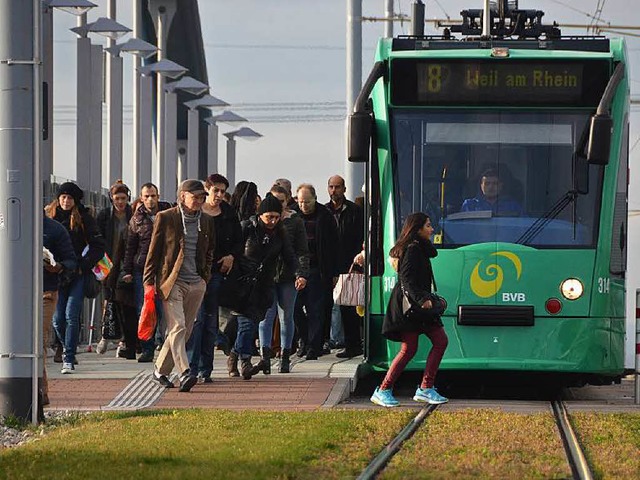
(180, 310)
(49, 302)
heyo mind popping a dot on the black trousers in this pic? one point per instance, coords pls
(351, 326)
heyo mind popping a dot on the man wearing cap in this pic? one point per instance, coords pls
(178, 266)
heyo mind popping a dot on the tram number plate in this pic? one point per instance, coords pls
(603, 285)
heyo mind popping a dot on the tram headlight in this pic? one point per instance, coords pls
(572, 289)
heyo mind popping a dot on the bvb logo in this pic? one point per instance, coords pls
(489, 287)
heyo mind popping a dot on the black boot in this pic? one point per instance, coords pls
(265, 361)
(247, 370)
(232, 364)
(285, 363)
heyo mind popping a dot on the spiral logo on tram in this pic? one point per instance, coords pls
(489, 282)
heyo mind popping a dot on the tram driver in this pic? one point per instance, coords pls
(491, 198)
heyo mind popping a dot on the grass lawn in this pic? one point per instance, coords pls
(473, 444)
(611, 442)
(210, 444)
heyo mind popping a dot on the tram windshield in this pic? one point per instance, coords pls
(496, 177)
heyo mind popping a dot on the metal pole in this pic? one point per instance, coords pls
(114, 93)
(19, 164)
(169, 186)
(38, 359)
(637, 375)
(113, 82)
(144, 144)
(354, 172)
(138, 178)
(231, 162)
(417, 19)
(95, 167)
(212, 147)
(193, 143)
(160, 98)
(47, 78)
(388, 13)
(83, 109)
(486, 20)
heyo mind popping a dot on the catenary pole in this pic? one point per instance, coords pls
(354, 172)
(388, 13)
(20, 251)
(83, 108)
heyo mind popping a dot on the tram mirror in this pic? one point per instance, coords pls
(359, 136)
(599, 139)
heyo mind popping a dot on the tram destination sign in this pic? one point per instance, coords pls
(428, 82)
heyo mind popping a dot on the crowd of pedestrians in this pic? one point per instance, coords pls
(222, 270)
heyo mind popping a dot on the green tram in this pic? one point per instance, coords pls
(536, 283)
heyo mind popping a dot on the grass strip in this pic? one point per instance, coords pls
(210, 444)
(611, 442)
(471, 444)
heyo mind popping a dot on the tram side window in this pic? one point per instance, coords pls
(619, 231)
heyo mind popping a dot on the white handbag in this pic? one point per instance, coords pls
(349, 290)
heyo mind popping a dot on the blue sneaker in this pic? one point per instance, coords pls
(384, 398)
(429, 395)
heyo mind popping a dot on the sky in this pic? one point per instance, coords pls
(282, 65)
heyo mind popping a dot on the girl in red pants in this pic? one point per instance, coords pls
(414, 310)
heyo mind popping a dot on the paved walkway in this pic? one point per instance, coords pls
(104, 382)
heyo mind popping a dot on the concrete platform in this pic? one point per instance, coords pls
(104, 382)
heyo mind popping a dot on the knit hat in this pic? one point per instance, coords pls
(270, 204)
(70, 188)
(193, 186)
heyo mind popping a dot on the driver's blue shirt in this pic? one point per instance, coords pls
(504, 205)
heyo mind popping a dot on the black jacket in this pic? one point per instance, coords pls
(56, 239)
(326, 241)
(139, 238)
(263, 249)
(106, 223)
(415, 275)
(229, 239)
(350, 233)
(87, 234)
(294, 228)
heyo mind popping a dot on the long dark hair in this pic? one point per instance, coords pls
(244, 198)
(409, 233)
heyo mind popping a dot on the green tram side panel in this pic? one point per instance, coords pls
(586, 336)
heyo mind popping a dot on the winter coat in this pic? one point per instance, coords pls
(106, 222)
(261, 248)
(56, 239)
(294, 229)
(326, 241)
(350, 233)
(81, 236)
(139, 238)
(415, 275)
(166, 251)
(229, 239)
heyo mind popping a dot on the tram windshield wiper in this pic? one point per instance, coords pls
(536, 227)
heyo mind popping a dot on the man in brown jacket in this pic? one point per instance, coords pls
(179, 266)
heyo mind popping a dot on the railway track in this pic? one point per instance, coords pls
(575, 456)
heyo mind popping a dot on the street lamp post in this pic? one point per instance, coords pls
(142, 137)
(212, 135)
(73, 7)
(163, 69)
(185, 84)
(193, 130)
(246, 133)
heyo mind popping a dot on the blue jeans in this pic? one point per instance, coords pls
(66, 320)
(284, 295)
(245, 338)
(138, 292)
(205, 330)
(337, 332)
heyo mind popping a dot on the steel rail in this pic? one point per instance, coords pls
(577, 461)
(380, 461)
